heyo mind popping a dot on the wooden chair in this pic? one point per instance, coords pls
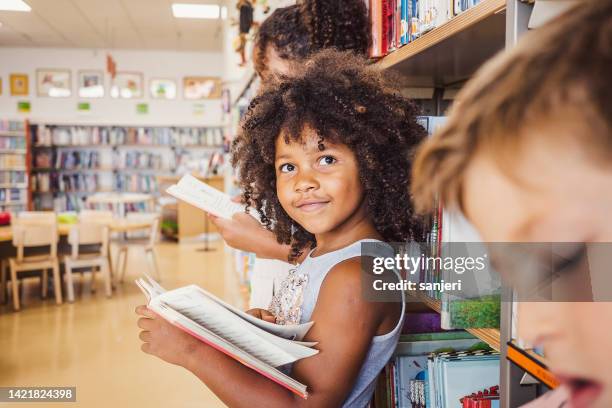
(147, 244)
(88, 232)
(100, 216)
(35, 230)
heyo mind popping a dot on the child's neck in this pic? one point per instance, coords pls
(357, 227)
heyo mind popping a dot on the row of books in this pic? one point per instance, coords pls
(54, 182)
(98, 159)
(136, 159)
(12, 125)
(8, 161)
(51, 135)
(12, 177)
(78, 159)
(143, 183)
(12, 142)
(77, 202)
(479, 303)
(439, 370)
(199, 162)
(399, 22)
(83, 183)
(11, 195)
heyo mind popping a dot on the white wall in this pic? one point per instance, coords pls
(153, 64)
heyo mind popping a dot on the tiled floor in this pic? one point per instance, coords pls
(93, 343)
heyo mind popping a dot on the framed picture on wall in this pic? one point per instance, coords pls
(91, 84)
(19, 84)
(162, 88)
(126, 85)
(54, 83)
(201, 88)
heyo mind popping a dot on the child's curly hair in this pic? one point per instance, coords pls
(345, 101)
(300, 30)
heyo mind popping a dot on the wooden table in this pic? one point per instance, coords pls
(121, 225)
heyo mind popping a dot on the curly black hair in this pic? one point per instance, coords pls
(345, 101)
(300, 30)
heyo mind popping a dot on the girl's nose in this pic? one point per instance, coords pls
(306, 182)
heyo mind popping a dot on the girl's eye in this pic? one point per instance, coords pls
(327, 160)
(286, 168)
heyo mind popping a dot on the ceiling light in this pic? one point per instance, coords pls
(183, 10)
(14, 5)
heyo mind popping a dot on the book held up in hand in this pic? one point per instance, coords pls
(258, 344)
(207, 198)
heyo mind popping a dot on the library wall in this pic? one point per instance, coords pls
(106, 110)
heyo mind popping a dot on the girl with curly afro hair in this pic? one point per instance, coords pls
(325, 159)
(342, 102)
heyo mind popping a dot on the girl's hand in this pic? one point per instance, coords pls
(262, 314)
(164, 340)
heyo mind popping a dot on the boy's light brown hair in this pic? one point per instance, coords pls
(565, 66)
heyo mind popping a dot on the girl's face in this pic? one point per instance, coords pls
(319, 189)
(558, 193)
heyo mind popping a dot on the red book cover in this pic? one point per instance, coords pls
(384, 40)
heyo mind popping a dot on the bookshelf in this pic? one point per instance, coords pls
(443, 59)
(70, 162)
(14, 158)
(446, 55)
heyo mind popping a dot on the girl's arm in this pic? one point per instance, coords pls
(246, 233)
(344, 326)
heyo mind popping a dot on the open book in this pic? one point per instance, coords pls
(207, 198)
(260, 345)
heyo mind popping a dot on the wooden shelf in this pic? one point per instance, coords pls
(12, 133)
(490, 336)
(452, 52)
(13, 169)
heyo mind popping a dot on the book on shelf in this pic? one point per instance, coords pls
(259, 345)
(12, 195)
(12, 177)
(7, 125)
(395, 23)
(145, 183)
(429, 373)
(88, 135)
(203, 196)
(12, 160)
(479, 303)
(12, 143)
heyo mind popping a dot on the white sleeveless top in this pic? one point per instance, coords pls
(381, 348)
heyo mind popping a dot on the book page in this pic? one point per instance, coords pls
(228, 348)
(273, 350)
(291, 332)
(207, 198)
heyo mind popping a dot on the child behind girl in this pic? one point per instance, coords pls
(325, 158)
